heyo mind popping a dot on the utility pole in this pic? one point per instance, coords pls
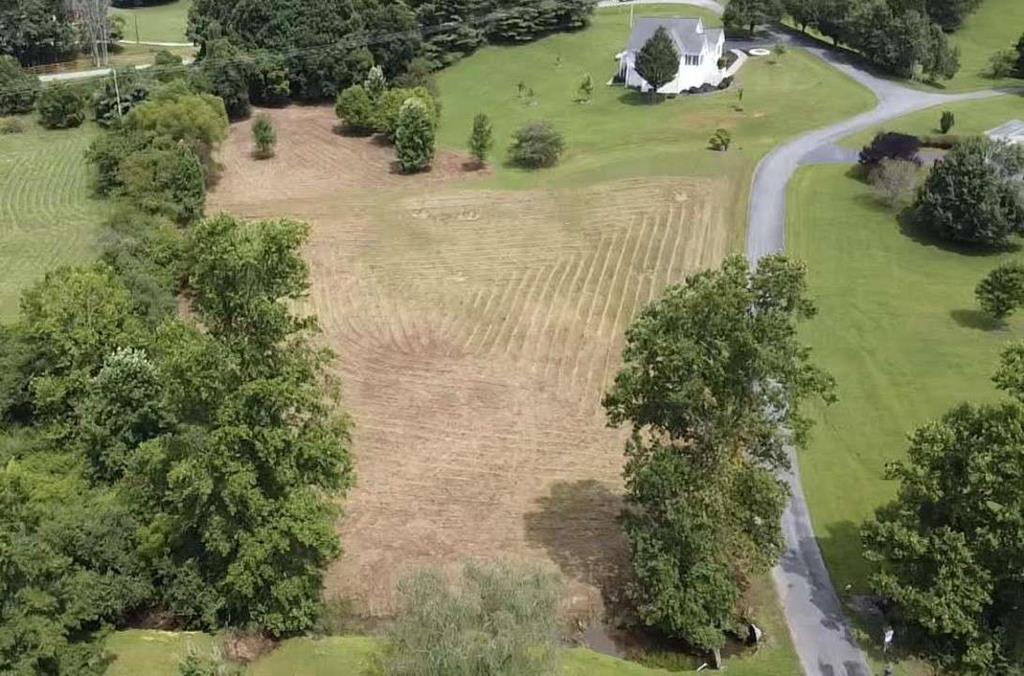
(117, 92)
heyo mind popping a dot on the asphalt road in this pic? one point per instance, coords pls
(820, 630)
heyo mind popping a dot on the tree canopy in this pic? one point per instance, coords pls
(974, 194)
(712, 385)
(657, 62)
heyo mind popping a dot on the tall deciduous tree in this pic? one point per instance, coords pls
(240, 497)
(657, 62)
(950, 547)
(974, 194)
(712, 387)
(750, 14)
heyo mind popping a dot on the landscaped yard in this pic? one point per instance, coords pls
(48, 217)
(156, 23)
(972, 117)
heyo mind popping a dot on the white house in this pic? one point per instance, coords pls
(699, 50)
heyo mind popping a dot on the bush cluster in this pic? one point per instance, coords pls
(60, 106)
(536, 145)
(18, 89)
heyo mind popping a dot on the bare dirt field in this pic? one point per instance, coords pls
(476, 331)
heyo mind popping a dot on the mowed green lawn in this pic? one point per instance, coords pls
(972, 117)
(899, 329)
(48, 216)
(619, 134)
(158, 653)
(997, 25)
(156, 23)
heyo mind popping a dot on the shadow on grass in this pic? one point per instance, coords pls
(577, 523)
(976, 319)
(632, 97)
(914, 230)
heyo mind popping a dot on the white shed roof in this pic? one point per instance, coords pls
(1011, 132)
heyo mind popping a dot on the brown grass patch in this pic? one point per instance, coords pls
(476, 332)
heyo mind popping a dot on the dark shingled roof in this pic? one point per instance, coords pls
(682, 31)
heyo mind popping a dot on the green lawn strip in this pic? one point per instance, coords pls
(157, 23)
(157, 653)
(48, 216)
(972, 117)
(899, 329)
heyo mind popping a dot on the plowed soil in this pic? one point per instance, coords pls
(476, 332)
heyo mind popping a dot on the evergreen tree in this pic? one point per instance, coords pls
(414, 138)
(481, 139)
(657, 62)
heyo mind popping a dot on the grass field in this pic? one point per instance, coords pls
(157, 23)
(47, 214)
(972, 117)
(997, 25)
(618, 134)
(899, 329)
(157, 653)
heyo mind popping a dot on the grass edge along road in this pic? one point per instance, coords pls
(899, 329)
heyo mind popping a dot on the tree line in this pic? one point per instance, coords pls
(270, 52)
(160, 462)
(907, 38)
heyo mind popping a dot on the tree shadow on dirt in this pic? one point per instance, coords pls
(577, 523)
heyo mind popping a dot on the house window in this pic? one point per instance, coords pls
(691, 59)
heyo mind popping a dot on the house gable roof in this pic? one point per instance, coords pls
(688, 35)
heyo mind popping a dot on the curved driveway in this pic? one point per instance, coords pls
(813, 611)
(820, 631)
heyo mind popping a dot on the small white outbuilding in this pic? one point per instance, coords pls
(1011, 132)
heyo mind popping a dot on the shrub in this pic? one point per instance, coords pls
(18, 89)
(720, 140)
(585, 90)
(174, 112)
(264, 137)
(536, 145)
(146, 253)
(269, 81)
(947, 121)
(1002, 290)
(225, 71)
(129, 90)
(889, 145)
(167, 180)
(944, 142)
(481, 139)
(375, 83)
(414, 138)
(60, 107)
(11, 125)
(973, 194)
(1002, 64)
(725, 83)
(356, 109)
(389, 106)
(499, 620)
(167, 66)
(894, 182)
(108, 151)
